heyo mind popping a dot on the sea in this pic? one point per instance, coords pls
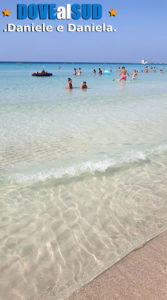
(83, 174)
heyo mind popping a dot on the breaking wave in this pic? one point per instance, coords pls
(90, 167)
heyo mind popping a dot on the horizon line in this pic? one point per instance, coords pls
(75, 62)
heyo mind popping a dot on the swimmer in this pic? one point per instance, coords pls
(59, 67)
(154, 69)
(94, 71)
(161, 71)
(123, 74)
(134, 75)
(83, 86)
(100, 71)
(146, 70)
(79, 72)
(118, 69)
(75, 72)
(69, 84)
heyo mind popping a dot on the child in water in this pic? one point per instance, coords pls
(134, 75)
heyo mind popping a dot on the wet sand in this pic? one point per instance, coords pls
(141, 275)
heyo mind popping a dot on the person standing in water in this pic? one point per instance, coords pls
(75, 71)
(100, 71)
(123, 74)
(146, 70)
(79, 72)
(94, 71)
(69, 84)
(134, 75)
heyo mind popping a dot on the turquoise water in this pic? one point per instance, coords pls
(83, 174)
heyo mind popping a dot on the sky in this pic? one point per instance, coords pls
(141, 34)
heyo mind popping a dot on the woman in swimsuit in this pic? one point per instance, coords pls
(79, 72)
(100, 71)
(69, 84)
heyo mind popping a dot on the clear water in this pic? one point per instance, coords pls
(83, 174)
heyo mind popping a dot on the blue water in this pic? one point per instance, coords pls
(82, 173)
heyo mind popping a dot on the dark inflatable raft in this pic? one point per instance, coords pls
(46, 74)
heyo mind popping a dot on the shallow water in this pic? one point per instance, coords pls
(83, 175)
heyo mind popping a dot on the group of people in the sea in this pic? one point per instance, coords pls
(75, 72)
(70, 86)
(123, 73)
(146, 70)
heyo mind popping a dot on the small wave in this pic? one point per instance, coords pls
(88, 167)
